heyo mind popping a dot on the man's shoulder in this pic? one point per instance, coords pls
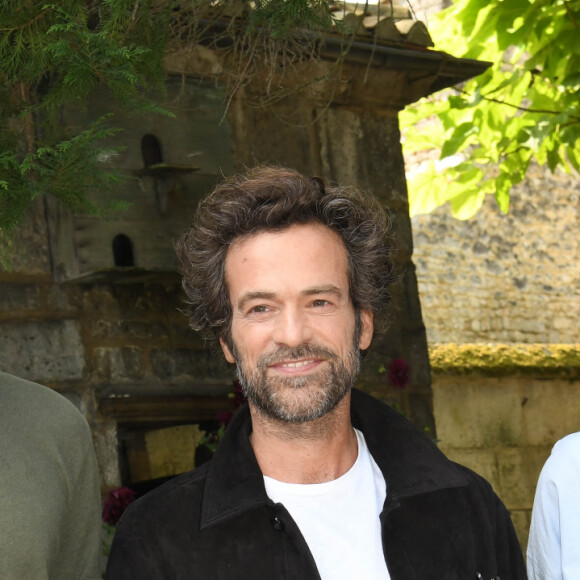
(563, 465)
(477, 482)
(180, 496)
(567, 447)
(30, 407)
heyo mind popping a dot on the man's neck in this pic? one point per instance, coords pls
(311, 452)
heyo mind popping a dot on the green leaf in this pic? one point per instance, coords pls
(573, 158)
(465, 205)
(425, 191)
(503, 184)
(554, 159)
(458, 138)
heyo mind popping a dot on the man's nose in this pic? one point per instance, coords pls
(292, 328)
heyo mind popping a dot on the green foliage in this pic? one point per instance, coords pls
(278, 17)
(54, 55)
(69, 171)
(525, 108)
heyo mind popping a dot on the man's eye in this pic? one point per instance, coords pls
(259, 308)
(319, 303)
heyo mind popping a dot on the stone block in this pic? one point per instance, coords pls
(476, 412)
(563, 323)
(15, 298)
(184, 365)
(482, 461)
(119, 365)
(128, 331)
(551, 410)
(63, 298)
(99, 302)
(46, 351)
(106, 449)
(519, 469)
(360, 150)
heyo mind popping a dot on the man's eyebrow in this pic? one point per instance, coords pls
(326, 289)
(265, 295)
(254, 295)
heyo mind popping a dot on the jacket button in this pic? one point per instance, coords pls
(277, 523)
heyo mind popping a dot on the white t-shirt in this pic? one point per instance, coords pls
(339, 519)
(554, 542)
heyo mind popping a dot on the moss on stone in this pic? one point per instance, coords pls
(538, 360)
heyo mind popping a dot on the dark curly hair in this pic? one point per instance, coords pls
(271, 199)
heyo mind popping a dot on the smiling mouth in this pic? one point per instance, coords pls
(296, 360)
(296, 364)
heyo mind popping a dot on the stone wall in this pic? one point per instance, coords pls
(504, 429)
(504, 278)
(501, 303)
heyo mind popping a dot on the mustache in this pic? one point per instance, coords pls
(285, 353)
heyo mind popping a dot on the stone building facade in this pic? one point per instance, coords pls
(91, 307)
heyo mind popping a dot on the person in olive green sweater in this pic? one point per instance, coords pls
(49, 488)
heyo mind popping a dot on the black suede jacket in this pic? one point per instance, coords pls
(440, 520)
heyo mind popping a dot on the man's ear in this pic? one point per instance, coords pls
(367, 327)
(226, 350)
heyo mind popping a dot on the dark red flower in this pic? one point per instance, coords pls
(225, 417)
(116, 503)
(399, 371)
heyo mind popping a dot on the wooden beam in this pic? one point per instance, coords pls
(164, 409)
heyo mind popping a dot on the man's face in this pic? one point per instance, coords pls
(294, 333)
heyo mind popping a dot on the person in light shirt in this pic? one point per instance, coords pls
(314, 479)
(554, 543)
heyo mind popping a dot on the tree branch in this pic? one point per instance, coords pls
(518, 107)
(570, 14)
(38, 17)
(25, 94)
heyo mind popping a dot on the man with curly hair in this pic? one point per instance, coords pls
(313, 479)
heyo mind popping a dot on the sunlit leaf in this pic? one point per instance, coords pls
(467, 203)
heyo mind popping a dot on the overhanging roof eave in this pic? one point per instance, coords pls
(418, 61)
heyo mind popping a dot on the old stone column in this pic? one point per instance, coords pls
(347, 131)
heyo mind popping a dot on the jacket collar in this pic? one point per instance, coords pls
(411, 464)
(409, 461)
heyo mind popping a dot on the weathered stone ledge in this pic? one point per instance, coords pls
(538, 360)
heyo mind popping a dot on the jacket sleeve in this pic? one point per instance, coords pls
(129, 559)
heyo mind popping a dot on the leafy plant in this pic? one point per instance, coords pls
(524, 109)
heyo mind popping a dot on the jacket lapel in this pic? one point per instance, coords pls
(234, 483)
